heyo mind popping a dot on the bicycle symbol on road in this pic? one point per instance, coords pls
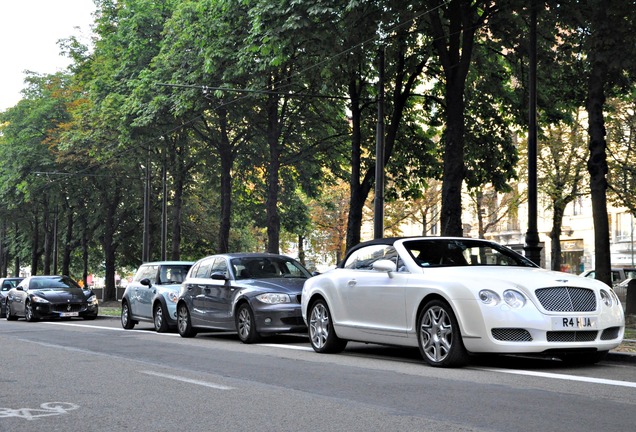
(46, 409)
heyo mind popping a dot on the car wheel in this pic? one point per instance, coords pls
(322, 336)
(29, 314)
(438, 335)
(246, 324)
(184, 323)
(126, 318)
(10, 316)
(161, 323)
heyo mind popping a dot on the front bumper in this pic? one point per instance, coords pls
(503, 330)
(279, 318)
(65, 310)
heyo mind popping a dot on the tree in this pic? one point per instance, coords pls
(561, 163)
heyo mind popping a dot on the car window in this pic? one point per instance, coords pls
(173, 273)
(147, 272)
(363, 258)
(431, 253)
(204, 268)
(53, 282)
(219, 265)
(9, 283)
(630, 273)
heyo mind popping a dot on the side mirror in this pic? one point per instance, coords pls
(145, 282)
(218, 276)
(19, 288)
(384, 266)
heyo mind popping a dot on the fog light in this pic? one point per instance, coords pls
(268, 320)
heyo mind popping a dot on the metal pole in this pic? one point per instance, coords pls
(145, 255)
(164, 211)
(378, 207)
(532, 247)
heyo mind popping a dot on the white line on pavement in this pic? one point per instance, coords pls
(188, 380)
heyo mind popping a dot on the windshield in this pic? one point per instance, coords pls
(469, 252)
(268, 267)
(53, 282)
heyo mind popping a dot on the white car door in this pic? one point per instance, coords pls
(373, 300)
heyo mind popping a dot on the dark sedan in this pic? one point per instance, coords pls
(39, 297)
(250, 293)
(5, 285)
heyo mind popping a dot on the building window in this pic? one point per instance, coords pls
(623, 231)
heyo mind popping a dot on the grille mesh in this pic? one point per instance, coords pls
(571, 336)
(511, 334)
(74, 307)
(610, 333)
(566, 299)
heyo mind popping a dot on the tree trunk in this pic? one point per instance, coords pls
(273, 187)
(453, 174)
(35, 244)
(69, 245)
(227, 163)
(555, 237)
(597, 162)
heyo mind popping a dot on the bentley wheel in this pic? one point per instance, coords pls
(126, 317)
(184, 322)
(246, 325)
(439, 337)
(322, 336)
(29, 314)
(161, 323)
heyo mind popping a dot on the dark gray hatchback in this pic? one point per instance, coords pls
(251, 293)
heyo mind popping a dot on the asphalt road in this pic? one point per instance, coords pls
(80, 375)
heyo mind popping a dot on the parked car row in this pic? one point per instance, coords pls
(450, 297)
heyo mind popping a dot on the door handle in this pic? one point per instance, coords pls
(351, 283)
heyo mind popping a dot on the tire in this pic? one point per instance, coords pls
(246, 324)
(10, 316)
(126, 317)
(184, 322)
(322, 335)
(159, 318)
(29, 313)
(439, 337)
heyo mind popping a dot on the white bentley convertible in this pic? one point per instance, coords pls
(454, 297)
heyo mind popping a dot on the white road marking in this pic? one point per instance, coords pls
(290, 347)
(149, 331)
(561, 377)
(188, 380)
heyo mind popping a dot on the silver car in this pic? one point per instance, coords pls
(152, 295)
(250, 293)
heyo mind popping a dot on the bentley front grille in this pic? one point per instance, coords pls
(565, 299)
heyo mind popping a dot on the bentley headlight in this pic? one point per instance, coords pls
(606, 298)
(38, 299)
(514, 299)
(489, 297)
(273, 298)
(92, 299)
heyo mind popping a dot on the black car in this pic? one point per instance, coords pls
(39, 297)
(250, 293)
(5, 285)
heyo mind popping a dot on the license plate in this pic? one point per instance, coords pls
(69, 314)
(574, 323)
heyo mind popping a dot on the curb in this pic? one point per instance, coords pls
(621, 357)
